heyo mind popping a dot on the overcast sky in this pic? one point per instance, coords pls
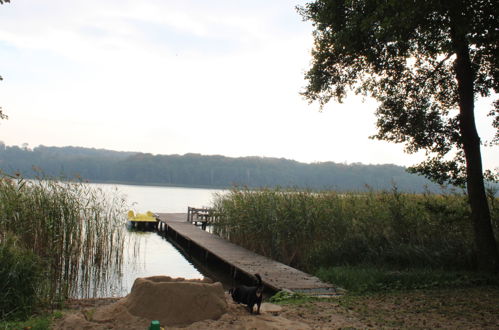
(178, 76)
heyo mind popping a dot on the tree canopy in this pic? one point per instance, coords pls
(2, 115)
(99, 165)
(425, 62)
(402, 53)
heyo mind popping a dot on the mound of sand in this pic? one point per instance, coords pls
(176, 301)
(172, 301)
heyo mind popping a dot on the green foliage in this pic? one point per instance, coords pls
(76, 230)
(365, 280)
(284, 297)
(423, 61)
(22, 278)
(40, 322)
(207, 171)
(2, 115)
(368, 279)
(316, 229)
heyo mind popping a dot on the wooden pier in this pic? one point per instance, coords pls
(241, 261)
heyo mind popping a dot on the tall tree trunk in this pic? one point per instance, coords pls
(488, 256)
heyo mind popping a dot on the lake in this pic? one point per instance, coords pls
(156, 255)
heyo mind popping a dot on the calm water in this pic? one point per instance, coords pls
(156, 256)
(163, 199)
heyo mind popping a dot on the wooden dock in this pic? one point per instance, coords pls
(275, 275)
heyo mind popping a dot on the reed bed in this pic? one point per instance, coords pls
(308, 229)
(76, 232)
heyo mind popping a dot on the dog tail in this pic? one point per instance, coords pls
(259, 280)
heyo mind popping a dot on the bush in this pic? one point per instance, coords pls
(21, 279)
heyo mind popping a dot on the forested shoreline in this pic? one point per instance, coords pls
(100, 165)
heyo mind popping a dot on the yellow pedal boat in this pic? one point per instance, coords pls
(141, 217)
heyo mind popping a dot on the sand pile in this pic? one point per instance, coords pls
(174, 302)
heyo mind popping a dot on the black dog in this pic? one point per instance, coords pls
(249, 295)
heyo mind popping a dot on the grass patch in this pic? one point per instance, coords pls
(38, 322)
(285, 297)
(368, 279)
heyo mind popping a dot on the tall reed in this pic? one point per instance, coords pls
(77, 230)
(310, 229)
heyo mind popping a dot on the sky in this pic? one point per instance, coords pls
(179, 76)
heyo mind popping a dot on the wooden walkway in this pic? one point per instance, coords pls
(275, 275)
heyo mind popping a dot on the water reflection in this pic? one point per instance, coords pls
(149, 254)
(146, 252)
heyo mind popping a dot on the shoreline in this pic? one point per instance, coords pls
(466, 308)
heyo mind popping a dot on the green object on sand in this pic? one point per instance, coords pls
(155, 325)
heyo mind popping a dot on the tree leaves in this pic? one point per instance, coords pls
(401, 53)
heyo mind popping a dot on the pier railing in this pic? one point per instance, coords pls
(200, 216)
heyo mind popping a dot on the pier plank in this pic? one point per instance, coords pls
(274, 274)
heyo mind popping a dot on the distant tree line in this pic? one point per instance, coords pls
(98, 165)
